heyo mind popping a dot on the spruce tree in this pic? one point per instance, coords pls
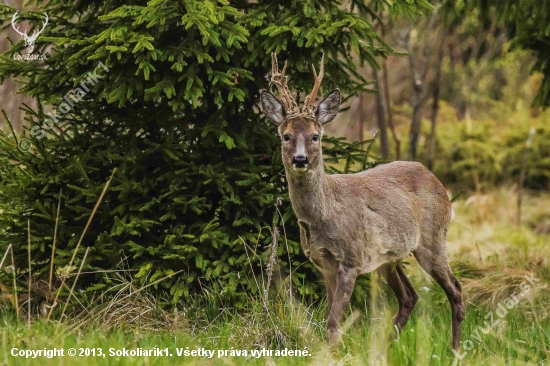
(175, 111)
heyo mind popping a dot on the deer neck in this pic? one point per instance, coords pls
(310, 194)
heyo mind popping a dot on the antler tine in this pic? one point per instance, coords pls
(284, 69)
(274, 64)
(279, 79)
(16, 28)
(43, 26)
(318, 79)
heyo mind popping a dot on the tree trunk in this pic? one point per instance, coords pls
(389, 113)
(387, 99)
(522, 173)
(9, 90)
(417, 98)
(381, 114)
(416, 119)
(418, 79)
(435, 104)
(362, 117)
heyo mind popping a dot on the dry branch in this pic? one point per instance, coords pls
(522, 172)
(80, 241)
(55, 238)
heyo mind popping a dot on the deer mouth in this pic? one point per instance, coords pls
(300, 167)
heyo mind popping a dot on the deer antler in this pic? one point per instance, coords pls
(309, 106)
(13, 19)
(279, 79)
(36, 33)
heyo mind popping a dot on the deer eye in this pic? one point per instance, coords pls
(286, 137)
(315, 138)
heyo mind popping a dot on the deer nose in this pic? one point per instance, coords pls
(300, 161)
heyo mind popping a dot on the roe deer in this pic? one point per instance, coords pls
(357, 223)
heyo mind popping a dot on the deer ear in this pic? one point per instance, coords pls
(273, 108)
(328, 108)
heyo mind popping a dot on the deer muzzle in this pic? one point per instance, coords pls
(300, 162)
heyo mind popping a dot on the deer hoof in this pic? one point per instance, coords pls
(333, 337)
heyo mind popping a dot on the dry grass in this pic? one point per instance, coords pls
(491, 253)
(124, 305)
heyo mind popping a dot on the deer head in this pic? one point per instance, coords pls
(29, 40)
(300, 131)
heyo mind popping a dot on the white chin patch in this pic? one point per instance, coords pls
(303, 169)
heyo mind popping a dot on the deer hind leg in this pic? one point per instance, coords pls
(345, 282)
(406, 295)
(434, 261)
(408, 286)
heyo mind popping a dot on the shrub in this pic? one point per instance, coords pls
(198, 169)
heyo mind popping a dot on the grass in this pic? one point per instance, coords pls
(489, 254)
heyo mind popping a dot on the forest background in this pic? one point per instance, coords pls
(161, 192)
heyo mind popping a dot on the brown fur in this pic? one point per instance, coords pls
(356, 223)
(352, 224)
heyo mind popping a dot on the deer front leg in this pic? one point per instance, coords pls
(330, 284)
(345, 283)
(305, 237)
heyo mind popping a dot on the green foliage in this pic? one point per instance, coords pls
(198, 169)
(344, 158)
(484, 153)
(528, 25)
(531, 21)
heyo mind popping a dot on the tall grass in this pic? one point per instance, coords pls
(489, 255)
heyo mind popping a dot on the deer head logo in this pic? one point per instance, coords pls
(29, 40)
